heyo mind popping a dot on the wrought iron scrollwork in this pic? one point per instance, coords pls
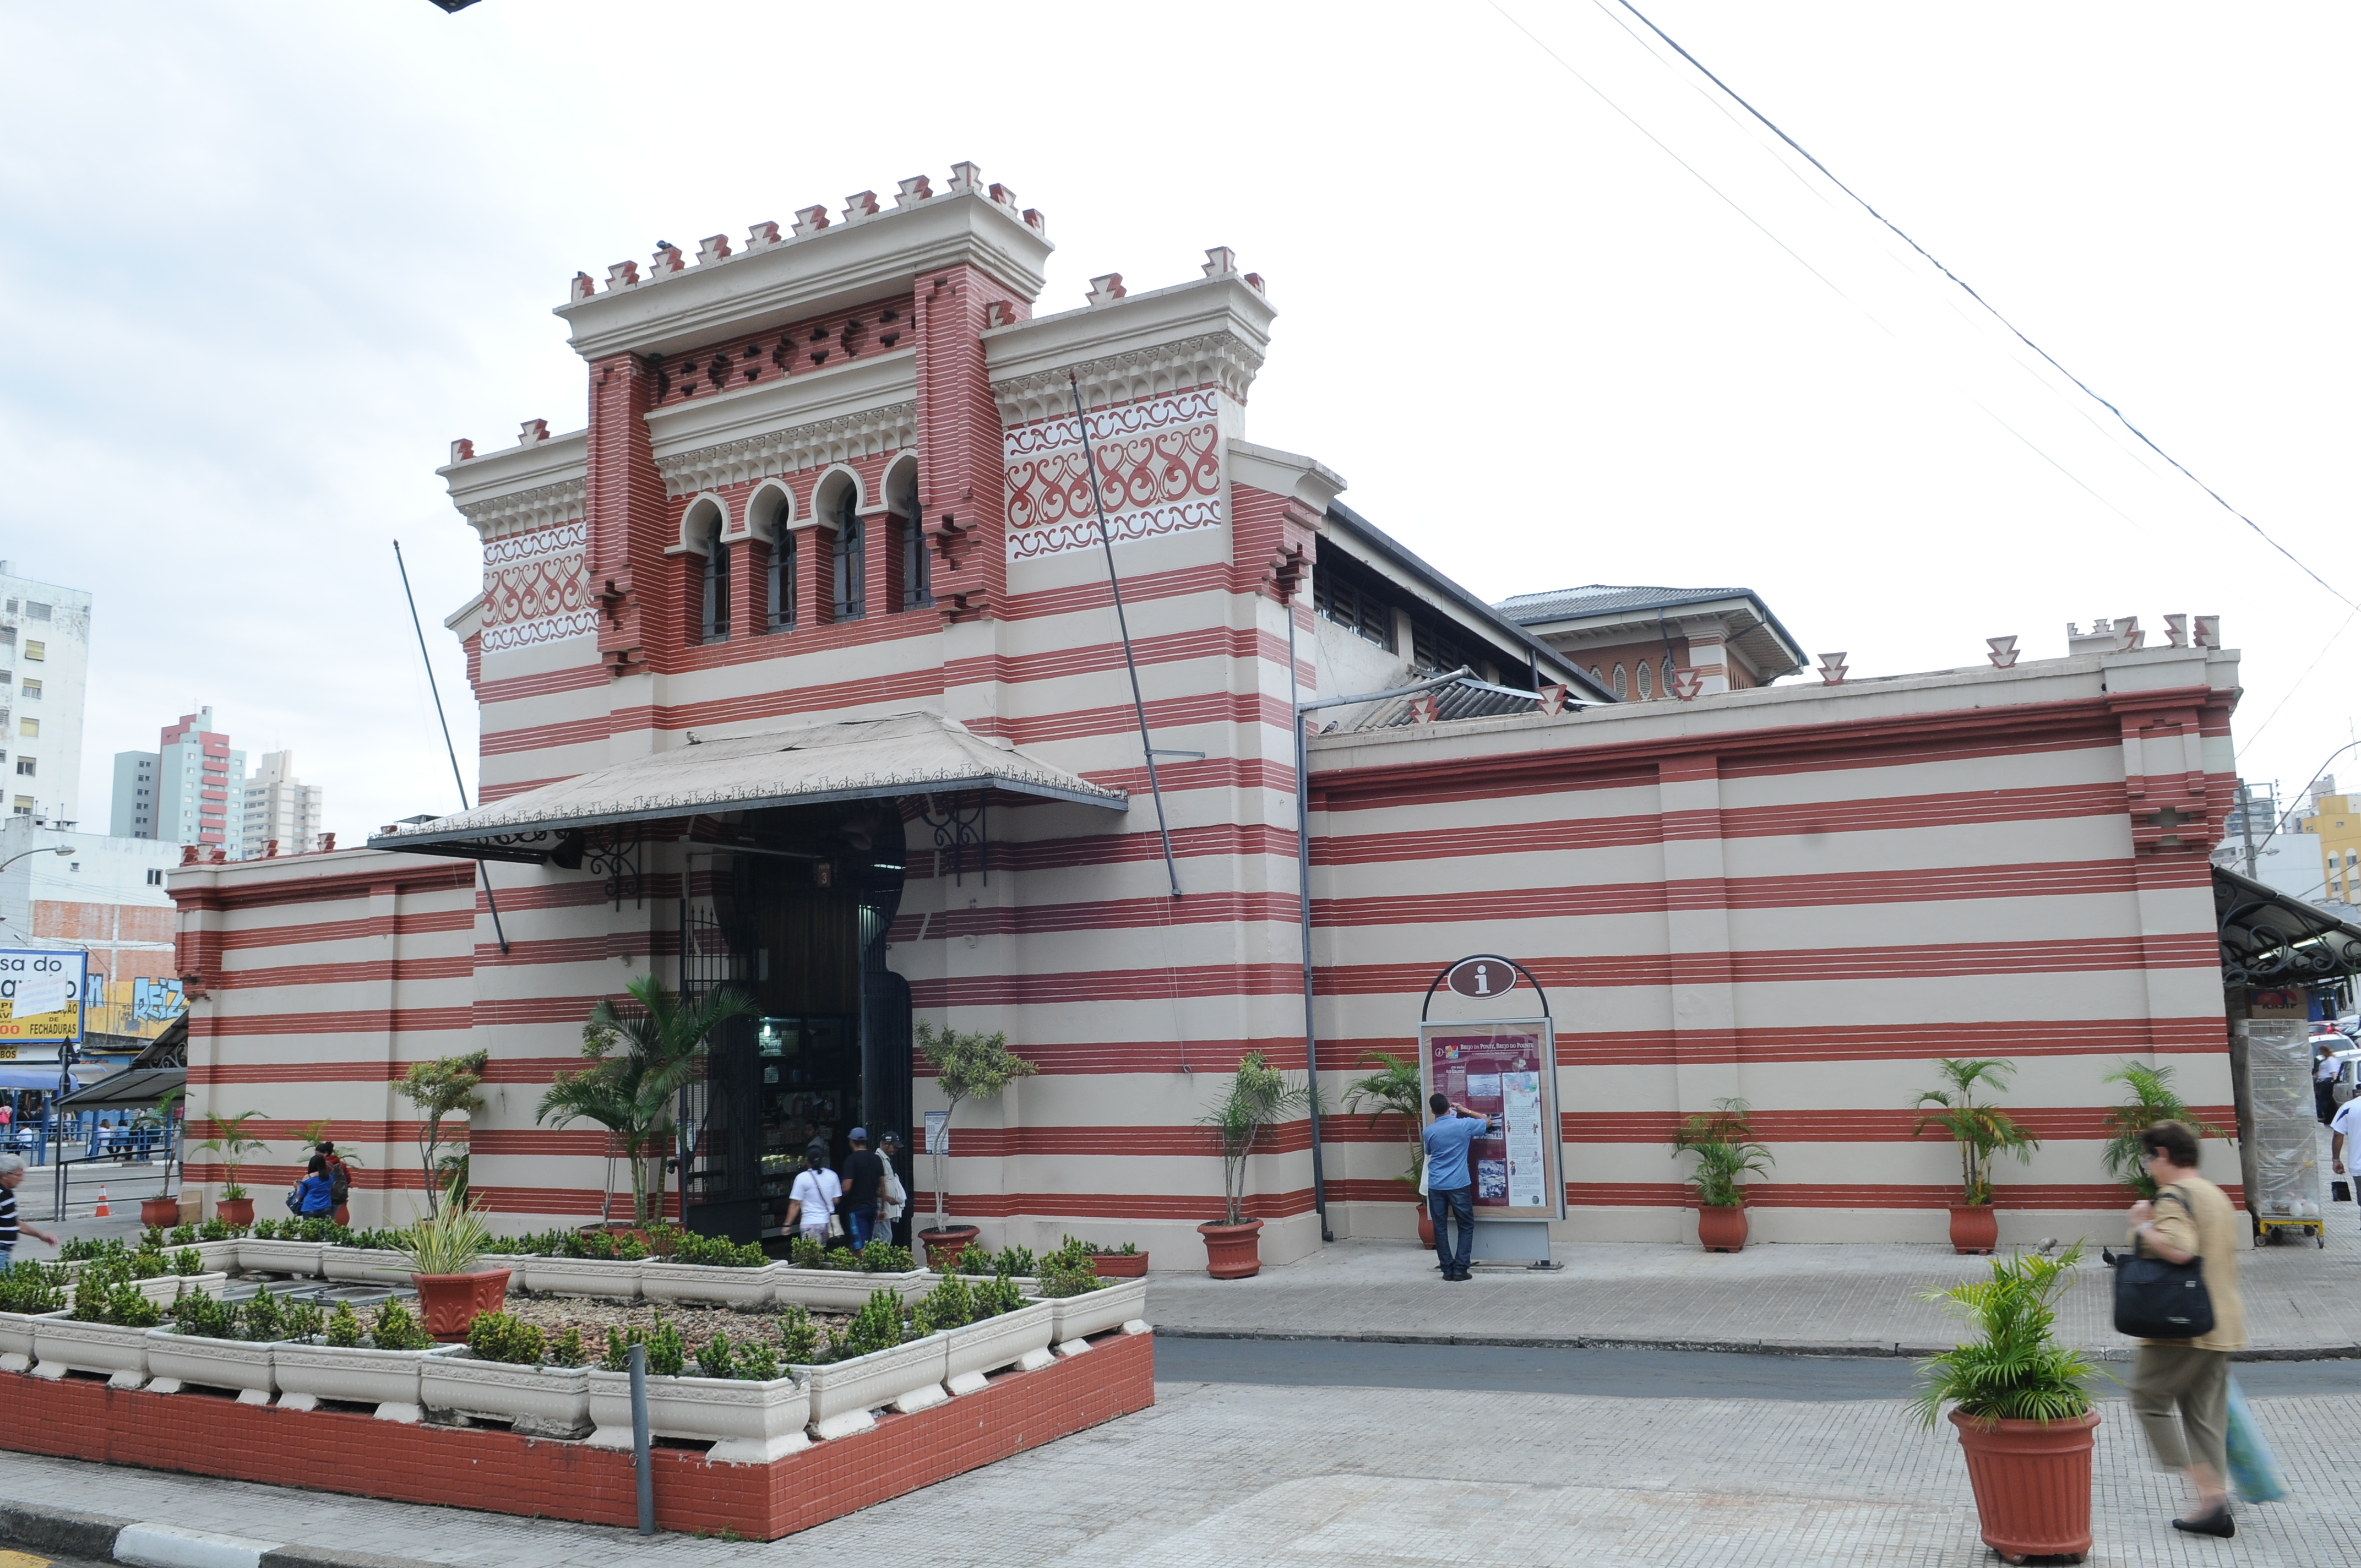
(613, 852)
(959, 822)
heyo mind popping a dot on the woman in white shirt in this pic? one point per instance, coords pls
(812, 1200)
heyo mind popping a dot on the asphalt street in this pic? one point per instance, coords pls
(1623, 1374)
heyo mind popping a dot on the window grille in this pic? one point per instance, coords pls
(783, 579)
(1647, 680)
(1619, 691)
(851, 595)
(1432, 652)
(717, 586)
(917, 583)
(1360, 613)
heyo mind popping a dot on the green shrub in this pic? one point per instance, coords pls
(618, 1357)
(188, 1260)
(304, 1321)
(878, 1325)
(344, 1328)
(997, 1295)
(569, 1350)
(667, 1356)
(949, 1305)
(128, 1308)
(502, 1336)
(263, 1317)
(884, 1257)
(216, 1229)
(204, 1316)
(82, 1249)
(798, 1336)
(395, 1328)
(151, 1239)
(32, 1287)
(806, 1252)
(183, 1235)
(1068, 1271)
(715, 1360)
(756, 1362)
(842, 1257)
(973, 1259)
(1015, 1260)
(717, 1252)
(267, 1230)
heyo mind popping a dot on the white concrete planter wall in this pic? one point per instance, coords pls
(217, 1256)
(175, 1358)
(543, 1402)
(165, 1287)
(582, 1276)
(389, 1379)
(748, 1423)
(61, 1346)
(908, 1378)
(16, 1338)
(838, 1290)
(364, 1266)
(1019, 1339)
(684, 1282)
(1079, 1316)
(299, 1258)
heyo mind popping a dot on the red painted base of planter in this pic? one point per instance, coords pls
(2032, 1481)
(944, 1246)
(234, 1210)
(1233, 1252)
(1722, 1229)
(1975, 1228)
(1425, 1225)
(1119, 1265)
(451, 1302)
(161, 1212)
(335, 1451)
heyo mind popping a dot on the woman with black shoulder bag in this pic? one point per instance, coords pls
(2190, 1219)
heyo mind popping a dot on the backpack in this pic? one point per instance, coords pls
(340, 1180)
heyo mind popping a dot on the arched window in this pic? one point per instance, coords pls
(1598, 678)
(717, 585)
(851, 601)
(783, 573)
(1647, 679)
(1668, 674)
(1620, 691)
(918, 584)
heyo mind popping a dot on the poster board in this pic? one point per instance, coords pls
(1507, 1068)
(42, 991)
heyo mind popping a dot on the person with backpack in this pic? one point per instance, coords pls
(2190, 1218)
(313, 1198)
(340, 1182)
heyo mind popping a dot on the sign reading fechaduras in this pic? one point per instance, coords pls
(40, 994)
(1509, 1070)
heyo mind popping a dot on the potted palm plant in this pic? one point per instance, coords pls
(1258, 1097)
(229, 1141)
(443, 1251)
(2019, 1400)
(1981, 1131)
(631, 1095)
(1723, 1141)
(2153, 1100)
(967, 1067)
(1394, 1091)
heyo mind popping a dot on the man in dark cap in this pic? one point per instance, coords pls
(864, 1190)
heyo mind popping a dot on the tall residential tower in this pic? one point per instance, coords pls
(198, 788)
(44, 666)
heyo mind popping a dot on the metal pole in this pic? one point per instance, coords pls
(1304, 905)
(456, 776)
(2247, 821)
(1123, 629)
(642, 1471)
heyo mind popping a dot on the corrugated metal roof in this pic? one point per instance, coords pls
(1606, 598)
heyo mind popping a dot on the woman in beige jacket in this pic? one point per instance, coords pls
(2190, 1218)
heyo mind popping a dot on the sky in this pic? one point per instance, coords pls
(1557, 310)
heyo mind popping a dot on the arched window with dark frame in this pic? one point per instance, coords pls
(917, 582)
(782, 572)
(852, 596)
(717, 585)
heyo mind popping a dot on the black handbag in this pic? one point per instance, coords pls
(2156, 1300)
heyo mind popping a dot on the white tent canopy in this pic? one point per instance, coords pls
(853, 759)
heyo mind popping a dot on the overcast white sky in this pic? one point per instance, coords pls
(266, 260)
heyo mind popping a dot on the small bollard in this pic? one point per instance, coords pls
(647, 1476)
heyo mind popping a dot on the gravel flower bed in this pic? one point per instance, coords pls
(594, 1315)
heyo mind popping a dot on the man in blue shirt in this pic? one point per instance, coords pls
(1450, 1184)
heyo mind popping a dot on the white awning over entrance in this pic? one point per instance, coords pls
(852, 759)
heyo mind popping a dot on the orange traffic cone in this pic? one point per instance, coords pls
(103, 1211)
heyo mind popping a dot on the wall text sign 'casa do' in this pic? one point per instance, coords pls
(1483, 977)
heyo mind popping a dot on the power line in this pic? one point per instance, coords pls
(1964, 286)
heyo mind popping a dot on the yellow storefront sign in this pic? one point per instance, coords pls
(40, 994)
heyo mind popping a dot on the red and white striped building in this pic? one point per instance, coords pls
(798, 669)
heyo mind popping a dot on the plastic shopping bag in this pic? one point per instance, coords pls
(2253, 1471)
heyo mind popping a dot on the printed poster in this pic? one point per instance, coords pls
(1504, 1069)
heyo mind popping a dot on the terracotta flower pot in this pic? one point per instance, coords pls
(1426, 1222)
(2032, 1481)
(234, 1210)
(1975, 1228)
(944, 1246)
(161, 1212)
(1722, 1228)
(1233, 1252)
(450, 1302)
(1118, 1264)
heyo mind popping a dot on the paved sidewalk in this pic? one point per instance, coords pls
(1223, 1475)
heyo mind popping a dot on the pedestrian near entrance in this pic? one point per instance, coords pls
(340, 1182)
(864, 1190)
(811, 1201)
(2190, 1218)
(12, 1171)
(897, 1197)
(1450, 1185)
(315, 1197)
(2343, 1130)
(2323, 1083)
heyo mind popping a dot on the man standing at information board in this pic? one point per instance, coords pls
(1450, 1184)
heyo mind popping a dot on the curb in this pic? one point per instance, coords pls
(107, 1539)
(1887, 1349)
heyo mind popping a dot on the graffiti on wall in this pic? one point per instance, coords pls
(157, 1001)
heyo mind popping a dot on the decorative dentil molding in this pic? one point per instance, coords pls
(870, 433)
(542, 506)
(1217, 358)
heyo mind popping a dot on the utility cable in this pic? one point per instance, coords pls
(1962, 283)
(456, 776)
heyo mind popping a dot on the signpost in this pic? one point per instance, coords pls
(1506, 1068)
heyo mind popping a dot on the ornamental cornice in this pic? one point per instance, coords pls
(816, 443)
(1220, 358)
(518, 512)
